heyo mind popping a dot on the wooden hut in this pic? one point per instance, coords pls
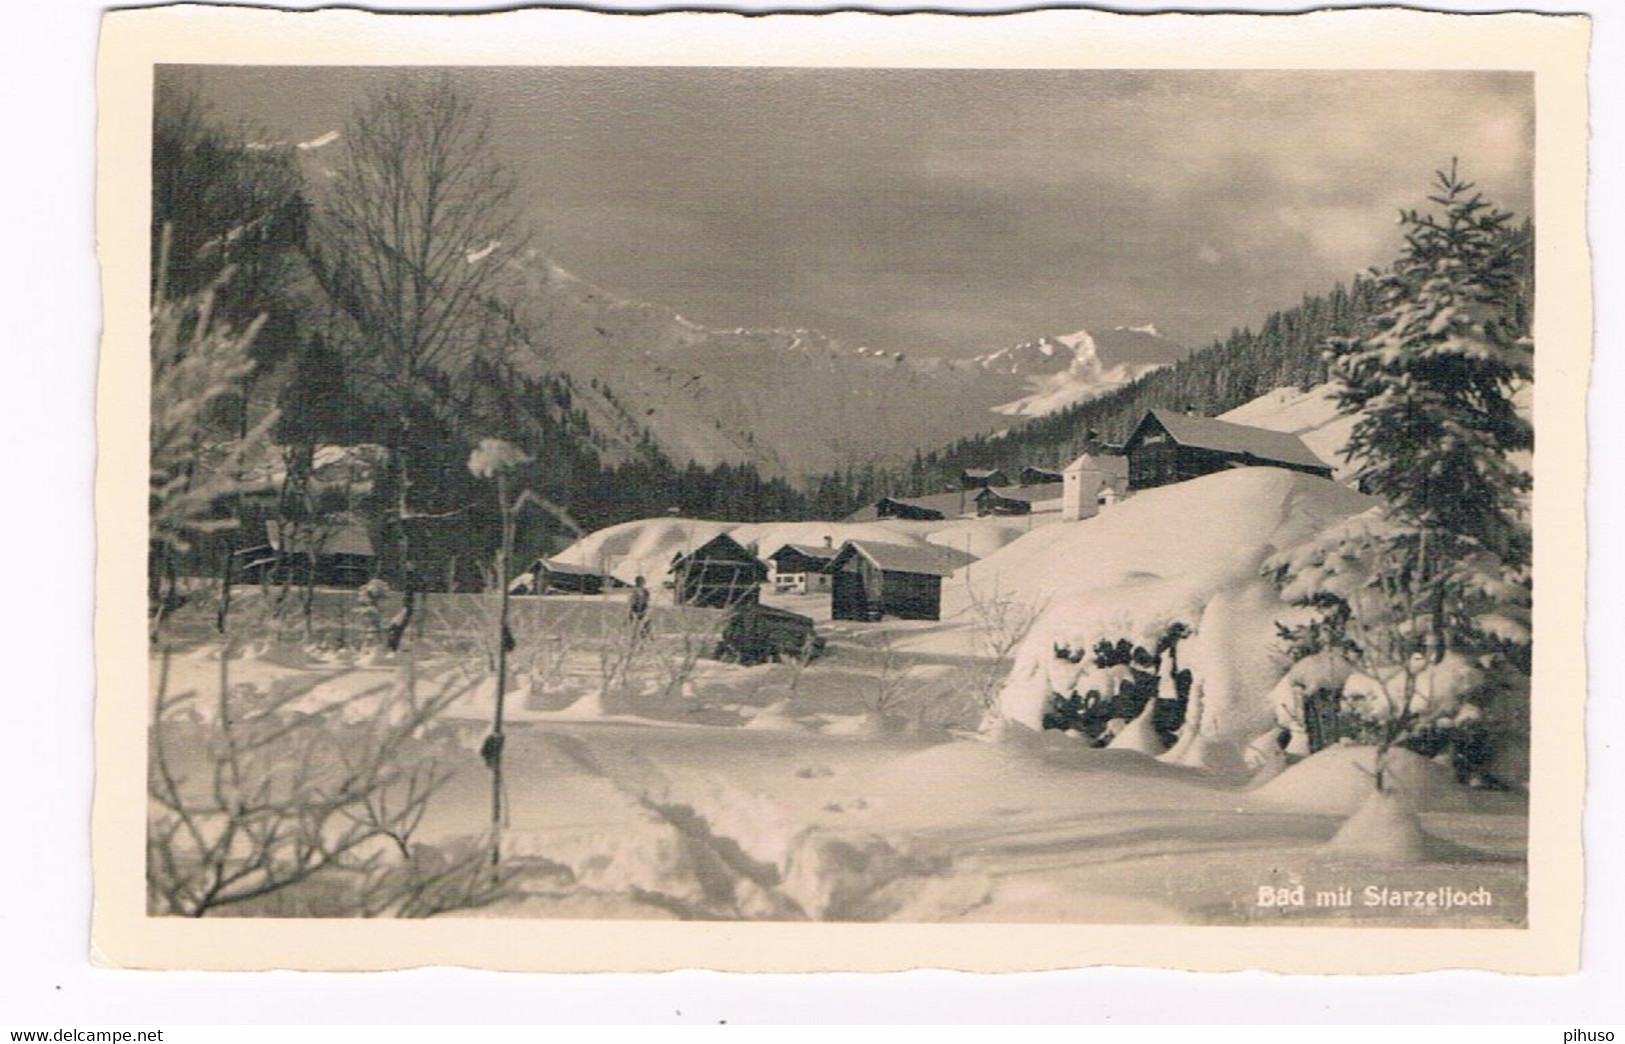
(719, 573)
(341, 553)
(550, 577)
(1168, 447)
(757, 633)
(1031, 476)
(874, 579)
(933, 508)
(996, 502)
(982, 478)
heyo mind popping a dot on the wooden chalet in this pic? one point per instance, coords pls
(550, 577)
(997, 502)
(1168, 447)
(801, 568)
(982, 478)
(1017, 500)
(720, 573)
(341, 554)
(874, 579)
(1031, 476)
(932, 508)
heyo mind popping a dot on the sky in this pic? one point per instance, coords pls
(957, 210)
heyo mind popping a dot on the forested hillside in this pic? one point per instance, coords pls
(236, 220)
(1285, 351)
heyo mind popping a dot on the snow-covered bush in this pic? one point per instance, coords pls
(199, 361)
(264, 804)
(1187, 554)
(1127, 677)
(1405, 663)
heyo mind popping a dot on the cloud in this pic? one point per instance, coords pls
(962, 209)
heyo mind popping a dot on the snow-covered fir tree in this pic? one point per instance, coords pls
(1426, 597)
(1433, 384)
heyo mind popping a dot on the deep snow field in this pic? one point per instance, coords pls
(858, 787)
(867, 785)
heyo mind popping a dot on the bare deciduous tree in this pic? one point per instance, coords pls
(415, 232)
(1001, 622)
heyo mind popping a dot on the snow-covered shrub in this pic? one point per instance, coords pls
(1398, 654)
(263, 803)
(1188, 553)
(199, 362)
(1126, 679)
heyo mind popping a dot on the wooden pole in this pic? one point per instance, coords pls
(497, 736)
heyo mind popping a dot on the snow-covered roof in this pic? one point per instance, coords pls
(1110, 463)
(903, 558)
(817, 551)
(1032, 471)
(720, 548)
(348, 538)
(1227, 437)
(1032, 494)
(565, 568)
(947, 505)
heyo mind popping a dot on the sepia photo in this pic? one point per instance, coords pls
(644, 495)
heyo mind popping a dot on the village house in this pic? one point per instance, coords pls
(1168, 447)
(719, 573)
(874, 579)
(1091, 482)
(996, 502)
(800, 568)
(982, 478)
(1018, 500)
(551, 577)
(340, 551)
(932, 508)
(1031, 476)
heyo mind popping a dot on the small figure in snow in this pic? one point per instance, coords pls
(370, 607)
(637, 609)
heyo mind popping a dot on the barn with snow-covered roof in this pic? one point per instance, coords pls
(1168, 447)
(720, 573)
(874, 579)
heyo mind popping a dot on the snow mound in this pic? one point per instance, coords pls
(1312, 416)
(1187, 553)
(641, 548)
(1140, 734)
(1338, 781)
(980, 537)
(1383, 830)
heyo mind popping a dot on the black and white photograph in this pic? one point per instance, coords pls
(841, 494)
(852, 493)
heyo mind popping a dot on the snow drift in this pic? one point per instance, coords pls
(1188, 553)
(1338, 782)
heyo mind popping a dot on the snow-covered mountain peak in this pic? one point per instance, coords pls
(1088, 367)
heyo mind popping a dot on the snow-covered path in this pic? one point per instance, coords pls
(958, 829)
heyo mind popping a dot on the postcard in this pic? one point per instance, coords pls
(841, 492)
